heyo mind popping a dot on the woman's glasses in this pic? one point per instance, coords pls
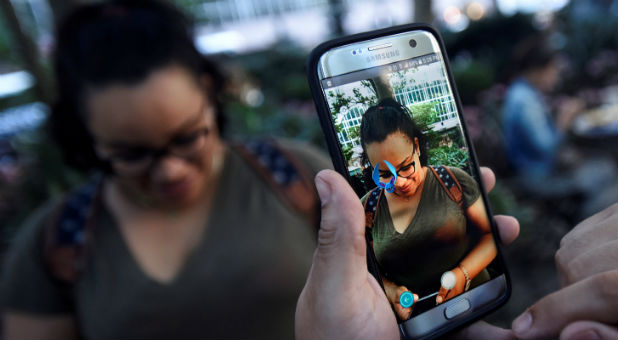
(140, 160)
(405, 171)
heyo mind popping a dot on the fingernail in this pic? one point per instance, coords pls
(323, 190)
(439, 299)
(588, 334)
(522, 324)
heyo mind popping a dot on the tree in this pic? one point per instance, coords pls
(340, 100)
(423, 11)
(382, 88)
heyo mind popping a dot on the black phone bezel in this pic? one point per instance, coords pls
(339, 163)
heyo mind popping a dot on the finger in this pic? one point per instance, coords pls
(508, 228)
(488, 178)
(593, 232)
(341, 239)
(592, 261)
(583, 330)
(400, 291)
(594, 298)
(482, 330)
(403, 313)
(608, 213)
(441, 295)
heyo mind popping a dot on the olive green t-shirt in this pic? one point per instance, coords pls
(242, 281)
(434, 242)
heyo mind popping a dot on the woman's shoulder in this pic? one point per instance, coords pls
(460, 174)
(468, 184)
(365, 196)
(302, 155)
(314, 158)
(33, 225)
(44, 222)
(27, 285)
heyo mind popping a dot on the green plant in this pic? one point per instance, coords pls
(449, 156)
(347, 153)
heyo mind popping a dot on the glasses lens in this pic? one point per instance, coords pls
(407, 170)
(188, 146)
(131, 166)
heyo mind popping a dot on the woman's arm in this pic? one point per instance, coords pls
(478, 258)
(29, 326)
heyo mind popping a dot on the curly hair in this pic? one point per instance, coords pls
(118, 42)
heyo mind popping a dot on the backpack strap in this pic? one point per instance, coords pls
(69, 232)
(285, 174)
(370, 207)
(449, 183)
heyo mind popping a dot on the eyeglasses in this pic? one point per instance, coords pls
(140, 160)
(405, 171)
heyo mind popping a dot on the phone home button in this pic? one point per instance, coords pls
(457, 308)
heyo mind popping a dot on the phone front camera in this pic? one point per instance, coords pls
(412, 43)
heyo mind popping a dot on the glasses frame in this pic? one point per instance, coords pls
(413, 163)
(153, 155)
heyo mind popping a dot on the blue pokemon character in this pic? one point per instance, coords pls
(390, 185)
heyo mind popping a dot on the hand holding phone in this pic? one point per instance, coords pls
(341, 300)
(393, 124)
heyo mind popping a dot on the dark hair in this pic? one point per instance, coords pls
(532, 53)
(386, 118)
(121, 41)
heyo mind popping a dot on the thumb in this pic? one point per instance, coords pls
(589, 330)
(341, 239)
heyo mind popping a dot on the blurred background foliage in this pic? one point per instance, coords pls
(268, 95)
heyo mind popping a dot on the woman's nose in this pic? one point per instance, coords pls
(169, 168)
(400, 181)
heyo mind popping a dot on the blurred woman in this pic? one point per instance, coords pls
(185, 239)
(419, 232)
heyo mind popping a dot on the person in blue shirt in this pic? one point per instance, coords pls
(533, 137)
(546, 165)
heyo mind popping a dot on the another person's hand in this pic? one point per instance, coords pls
(587, 305)
(568, 109)
(341, 299)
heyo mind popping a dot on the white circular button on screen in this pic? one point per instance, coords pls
(448, 280)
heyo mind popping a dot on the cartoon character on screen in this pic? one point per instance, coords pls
(428, 225)
(390, 185)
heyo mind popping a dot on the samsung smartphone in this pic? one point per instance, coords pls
(395, 129)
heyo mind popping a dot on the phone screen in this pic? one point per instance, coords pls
(398, 126)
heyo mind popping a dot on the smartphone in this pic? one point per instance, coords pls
(394, 127)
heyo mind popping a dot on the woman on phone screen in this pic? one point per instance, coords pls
(419, 232)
